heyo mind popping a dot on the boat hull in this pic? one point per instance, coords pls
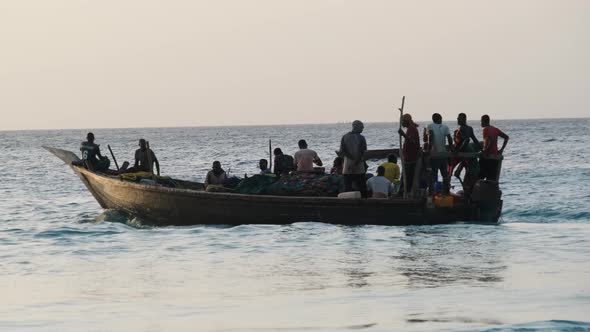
(171, 206)
(163, 206)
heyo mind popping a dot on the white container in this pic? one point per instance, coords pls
(350, 194)
(148, 182)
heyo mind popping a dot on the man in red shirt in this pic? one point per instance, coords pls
(488, 168)
(410, 149)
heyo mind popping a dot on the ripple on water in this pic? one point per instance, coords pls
(63, 258)
(544, 326)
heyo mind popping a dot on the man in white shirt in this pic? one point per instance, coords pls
(437, 132)
(379, 186)
(305, 158)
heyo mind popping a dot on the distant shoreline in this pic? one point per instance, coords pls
(277, 125)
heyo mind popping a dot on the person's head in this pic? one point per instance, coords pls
(338, 161)
(357, 126)
(142, 144)
(263, 164)
(392, 158)
(436, 118)
(277, 152)
(380, 171)
(462, 119)
(302, 144)
(90, 137)
(407, 120)
(485, 120)
(216, 164)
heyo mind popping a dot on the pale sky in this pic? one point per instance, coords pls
(146, 63)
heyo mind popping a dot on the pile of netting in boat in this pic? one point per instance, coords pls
(149, 179)
(294, 184)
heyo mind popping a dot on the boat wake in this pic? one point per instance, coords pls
(121, 217)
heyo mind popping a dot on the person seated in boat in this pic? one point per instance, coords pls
(392, 171)
(92, 159)
(337, 166)
(283, 163)
(305, 158)
(142, 159)
(263, 165)
(215, 176)
(488, 167)
(379, 186)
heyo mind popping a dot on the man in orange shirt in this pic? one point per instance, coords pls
(488, 168)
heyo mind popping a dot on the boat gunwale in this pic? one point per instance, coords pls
(249, 197)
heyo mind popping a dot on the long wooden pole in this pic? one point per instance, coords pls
(401, 155)
(113, 155)
(270, 155)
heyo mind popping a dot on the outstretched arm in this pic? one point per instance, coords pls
(318, 161)
(450, 140)
(343, 152)
(505, 137)
(401, 133)
(206, 183)
(430, 139)
(157, 166)
(100, 156)
(475, 141)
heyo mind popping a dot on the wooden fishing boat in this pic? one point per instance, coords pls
(189, 204)
(380, 153)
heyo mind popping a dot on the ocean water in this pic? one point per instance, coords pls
(67, 265)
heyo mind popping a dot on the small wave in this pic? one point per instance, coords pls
(70, 232)
(551, 325)
(546, 215)
(549, 140)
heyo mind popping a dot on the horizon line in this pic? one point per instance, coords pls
(268, 125)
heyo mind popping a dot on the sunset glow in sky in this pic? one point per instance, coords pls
(145, 63)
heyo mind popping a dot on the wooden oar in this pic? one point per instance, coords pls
(401, 155)
(270, 154)
(113, 155)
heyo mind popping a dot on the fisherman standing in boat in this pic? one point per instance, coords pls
(352, 147)
(463, 135)
(410, 149)
(488, 168)
(437, 132)
(305, 158)
(91, 157)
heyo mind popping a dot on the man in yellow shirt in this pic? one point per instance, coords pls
(391, 168)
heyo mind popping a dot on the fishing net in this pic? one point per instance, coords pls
(307, 184)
